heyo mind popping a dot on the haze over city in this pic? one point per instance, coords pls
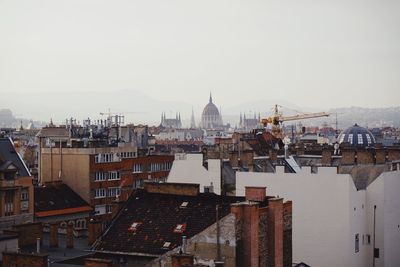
(80, 58)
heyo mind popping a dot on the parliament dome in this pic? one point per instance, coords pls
(357, 136)
(211, 118)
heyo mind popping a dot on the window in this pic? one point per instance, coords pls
(100, 176)
(180, 228)
(368, 239)
(359, 139)
(137, 168)
(137, 183)
(114, 191)
(24, 195)
(114, 175)
(109, 208)
(184, 204)
(100, 193)
(167, 244)
(350, 139)
(368, 139)
(9, 203)
(357, 243)
(134, 226)
(106, 157)
(100, 209)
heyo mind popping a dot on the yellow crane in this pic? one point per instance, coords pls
(276, 120)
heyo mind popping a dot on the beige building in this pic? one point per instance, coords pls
(16, 188)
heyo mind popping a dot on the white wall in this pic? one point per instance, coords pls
(323, 219)
(188, 168)
(384, 194)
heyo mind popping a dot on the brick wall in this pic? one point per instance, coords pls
(287, 234)
(173, 188)
(12, 259)
(28, 233)
(92, 262)
(326, 157)
(275, 232)
(380, 156)
(348, 157)
(254, 193)
(365, 156)
(393, 154)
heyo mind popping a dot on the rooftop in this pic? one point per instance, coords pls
(154, 223)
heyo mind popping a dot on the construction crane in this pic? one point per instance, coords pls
(276, 120)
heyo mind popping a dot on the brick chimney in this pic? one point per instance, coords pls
(70, 235)
(53, 235)
(255, 193)
(93, 262)
(275, 232)
(180, 260)
(247, 214)
(94, 231)
(181, 189)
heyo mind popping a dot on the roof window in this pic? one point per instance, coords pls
(134, 226)
(180, 228)
(184, 204)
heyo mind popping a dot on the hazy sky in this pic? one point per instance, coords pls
(313, 53)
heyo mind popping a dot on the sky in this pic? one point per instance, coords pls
(317, 54)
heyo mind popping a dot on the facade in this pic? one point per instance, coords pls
(16, 187)
(211, 117)
(162, 219)
(333, 221)
(57, 203)
(99, 162)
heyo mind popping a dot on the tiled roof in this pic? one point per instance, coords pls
(8, 154)
(53, 132)
(157, 217)
(56, 199)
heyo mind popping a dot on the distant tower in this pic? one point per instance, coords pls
(192, 121)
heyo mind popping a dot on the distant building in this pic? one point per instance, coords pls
(171, 122)
(357, 136)
(16, 188)
(211, 117)
(248, 123)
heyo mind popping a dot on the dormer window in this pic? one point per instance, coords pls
(180, 228)
(134, 226)
(9, 175)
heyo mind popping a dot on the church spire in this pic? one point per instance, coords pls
(192, 121)
(210, 98)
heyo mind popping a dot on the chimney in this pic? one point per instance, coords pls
(94, 231)
(70, 235)
(255, 193)
(53, 235)
(249, 216)
(181, 260)
(37, 245)
(184, 244)
(275, 231)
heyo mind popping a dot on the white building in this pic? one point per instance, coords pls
(188, 168)
(333, 223)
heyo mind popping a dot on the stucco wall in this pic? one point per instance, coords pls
(191, 170)
(321, 211)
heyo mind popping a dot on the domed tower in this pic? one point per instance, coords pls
(357, 136)
(211, 119)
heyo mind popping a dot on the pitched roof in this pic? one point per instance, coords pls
(157, 217)
(8, 155)
(57, 199)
